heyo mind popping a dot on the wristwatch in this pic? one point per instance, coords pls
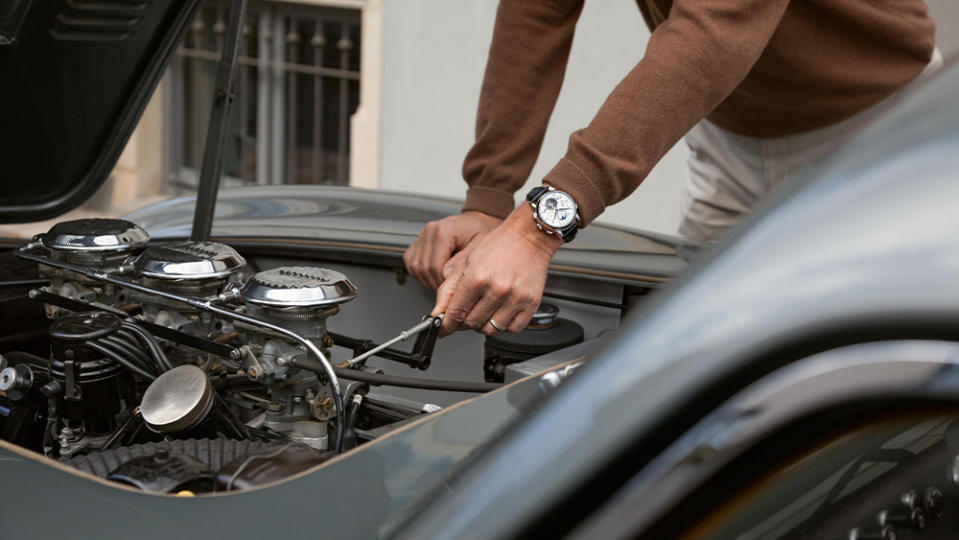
(554, 211)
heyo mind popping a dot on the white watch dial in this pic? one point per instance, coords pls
(556, 209)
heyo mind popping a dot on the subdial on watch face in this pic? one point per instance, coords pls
(556, 210)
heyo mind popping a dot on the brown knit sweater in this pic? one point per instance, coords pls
(762, 68)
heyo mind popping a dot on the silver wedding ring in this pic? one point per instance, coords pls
(496, 326)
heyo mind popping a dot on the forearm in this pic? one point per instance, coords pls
(524, 74)
(693, 61)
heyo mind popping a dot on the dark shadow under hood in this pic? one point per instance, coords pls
(75, 76)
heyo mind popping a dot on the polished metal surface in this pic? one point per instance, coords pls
(546, 315)
(298, 286)
(95, 235)
(189, 260)
(8, 378)
(177, 400)
(403, 336)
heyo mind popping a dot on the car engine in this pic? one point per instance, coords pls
(173, 367)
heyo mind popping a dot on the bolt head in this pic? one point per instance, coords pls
(326, 403)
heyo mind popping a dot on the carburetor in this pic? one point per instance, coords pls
(189, 268)
(99, 244)
(299, 298)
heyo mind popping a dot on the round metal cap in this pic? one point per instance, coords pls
(546, 315)
(79, 328)
(177, 400)
(189, 260)
(94, 235)
(298, 286)
(8, 379)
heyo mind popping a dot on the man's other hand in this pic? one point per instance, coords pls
(501, 276)
(427, 258)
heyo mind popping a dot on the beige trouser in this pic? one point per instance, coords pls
(729, 173)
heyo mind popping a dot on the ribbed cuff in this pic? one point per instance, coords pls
(492, 201)
(566, 176)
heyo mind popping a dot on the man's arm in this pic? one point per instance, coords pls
(524, 73)
(693, 61)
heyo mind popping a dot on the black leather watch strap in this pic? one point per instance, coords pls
(536, 192)
(570, 233)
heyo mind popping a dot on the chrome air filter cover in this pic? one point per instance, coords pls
(95, 235)
(294, 287)
(188, 260)
(93, 242)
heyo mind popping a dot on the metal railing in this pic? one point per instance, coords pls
(298, 85)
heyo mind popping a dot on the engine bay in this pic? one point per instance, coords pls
(175, 367)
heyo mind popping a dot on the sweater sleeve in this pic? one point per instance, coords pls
(693, 61)
(524, 73)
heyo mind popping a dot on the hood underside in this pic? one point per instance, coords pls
(77, 75)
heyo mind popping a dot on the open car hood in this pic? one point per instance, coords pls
(76, 76)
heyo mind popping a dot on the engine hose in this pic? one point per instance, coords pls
(393, 380)
(140, 360)
(349, 436)
(132, 350)
(115, 436)
(150, 343)
(126, 362)
(132, 337)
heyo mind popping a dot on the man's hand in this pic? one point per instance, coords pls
(427, 258)
(501, 276)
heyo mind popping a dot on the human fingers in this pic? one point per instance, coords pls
(521, 317)
(443, 246)
(444, 294)
(514, 314)
(428, 247)
(468, 291)
(502, 317)
(459, 259)
(490, 301)
(413, 257)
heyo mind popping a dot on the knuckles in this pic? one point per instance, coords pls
(474, 324)
(456, 315)
(499, 290)
(480, 281)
